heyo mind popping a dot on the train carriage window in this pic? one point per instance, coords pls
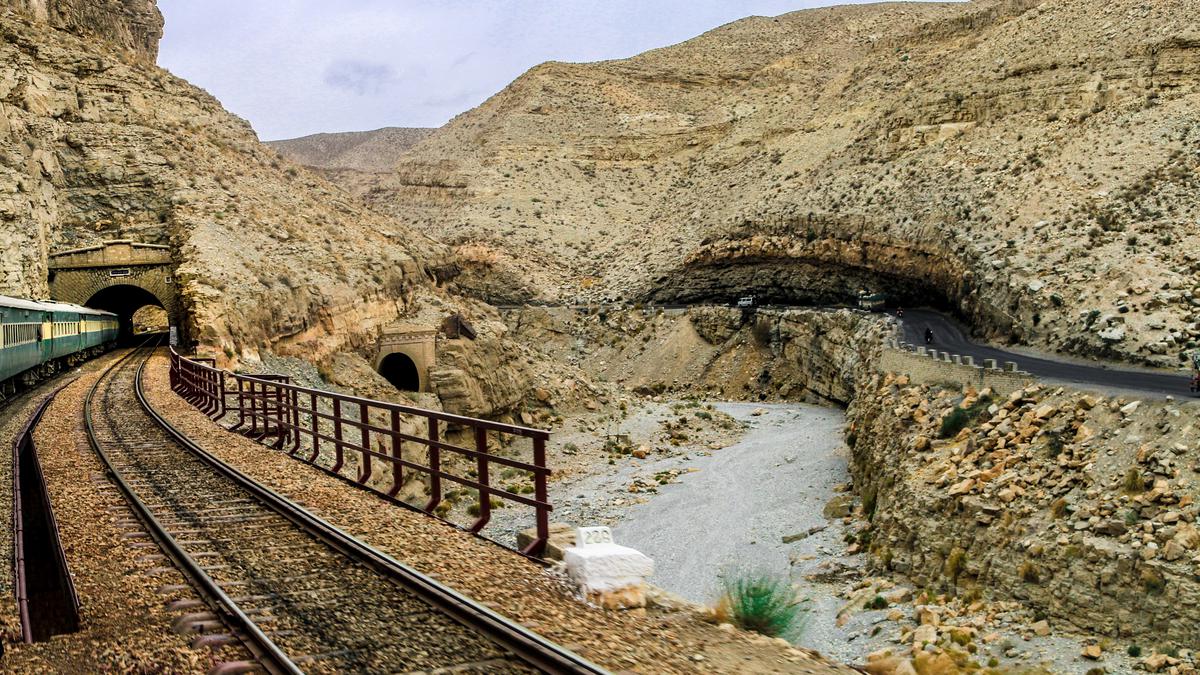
(17, 334)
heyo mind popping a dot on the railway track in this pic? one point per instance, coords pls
(299, 593)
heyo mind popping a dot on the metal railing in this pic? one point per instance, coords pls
(332, 431)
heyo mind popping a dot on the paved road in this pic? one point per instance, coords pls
(949, 336)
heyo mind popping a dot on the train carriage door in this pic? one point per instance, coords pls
(45, 337)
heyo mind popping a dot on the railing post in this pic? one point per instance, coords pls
(316, 429)
(253, 395)
(339, 457)
(364, 418)
(435, 467)
(294, 402)
(397, 455)
(538, 546)
(210, 403)
(222, 406)
(241, 399)
(481, 468)
(281, 417)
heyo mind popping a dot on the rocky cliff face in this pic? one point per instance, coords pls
(811, 355)
(944, 153)
(1081, 507)
(132, 25)
(97, 145)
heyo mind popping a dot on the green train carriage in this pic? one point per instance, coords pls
(39, 338)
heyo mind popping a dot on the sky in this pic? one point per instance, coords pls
(298, 67)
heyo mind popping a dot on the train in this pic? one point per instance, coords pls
(39, 339)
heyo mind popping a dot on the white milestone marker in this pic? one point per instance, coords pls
(610, 575)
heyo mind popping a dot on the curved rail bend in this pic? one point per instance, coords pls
(515, 649)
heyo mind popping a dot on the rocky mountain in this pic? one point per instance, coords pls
(1032, 165)
(101, 144)
(368, 151)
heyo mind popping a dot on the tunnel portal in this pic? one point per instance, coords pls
(120, 277)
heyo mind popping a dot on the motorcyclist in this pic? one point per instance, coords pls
(1196, 370)
(928, 336)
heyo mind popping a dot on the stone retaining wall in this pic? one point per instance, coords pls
(930, 366)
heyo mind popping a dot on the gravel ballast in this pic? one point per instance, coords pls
(126, 625)
(508, 583)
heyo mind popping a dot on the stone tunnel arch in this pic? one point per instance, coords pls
(124, 300)
(405, 355)
(399, 369)
(121, 277)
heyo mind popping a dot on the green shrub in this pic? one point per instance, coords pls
(1133, 482)
(955, 563)
(1029, 573)
(1134, 651)
(1152, 581)
(762, 602)
(954, 422)
(958, 418)
(870, 498)
(1055, 444)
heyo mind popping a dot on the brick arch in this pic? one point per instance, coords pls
(122, 276)
(403, 346)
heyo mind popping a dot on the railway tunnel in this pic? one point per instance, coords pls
(126, 301)
(122, 277)
(404, 355)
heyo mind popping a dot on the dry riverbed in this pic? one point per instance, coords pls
(765, 487)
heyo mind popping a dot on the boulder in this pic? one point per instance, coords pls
(924, 635)
(562, 537)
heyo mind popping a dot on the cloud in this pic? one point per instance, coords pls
(360, 77)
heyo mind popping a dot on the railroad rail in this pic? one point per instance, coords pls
(339, 434)
(300, 593)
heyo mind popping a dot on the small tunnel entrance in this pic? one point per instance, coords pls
(400, 370)
(124, 300)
